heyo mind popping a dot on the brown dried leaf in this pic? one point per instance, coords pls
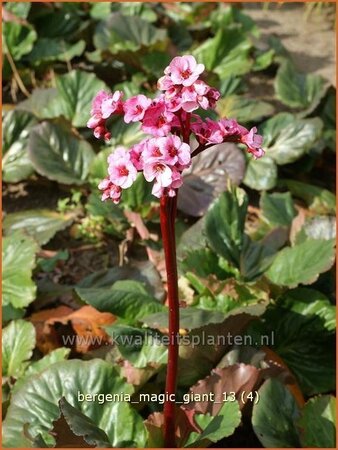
(62, 327)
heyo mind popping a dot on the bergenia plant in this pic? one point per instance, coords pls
(170, 120)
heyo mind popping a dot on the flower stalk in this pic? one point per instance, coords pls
(167, 219)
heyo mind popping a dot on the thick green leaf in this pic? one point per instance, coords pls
(303, 263)
(298, 90)
(36, 403)
(71, 98)
(318, 199)
(215, 428)
(287, 138)
(137, 345)
(62, 22)
(261, 174)
(317, 423)
(121, 33)
(18, 38)
(142, 271)
(192, 318)
(58, 355)
(18, 259)
(224, 224)
(126, 299)
(302, 324)
(257, 256)
(59, 155)
(274, 415)
(278, 208)
(203, 262)
(243, 109)
(47, 50)
(42, 103)
(41, 224)
(18, 342)
(263, 60)
(81, 425)
(15, 162)
(76, 91)
(226, 54)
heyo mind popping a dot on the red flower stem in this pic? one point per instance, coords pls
(167, 218)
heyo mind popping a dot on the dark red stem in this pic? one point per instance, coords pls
(167, 217)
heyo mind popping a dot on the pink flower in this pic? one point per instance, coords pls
(135, 108)
(177, 181)
(110, 190)
(152, 151)
(103, 105)
(164, 83)
(208, 132)
(122, 171)
(184, 70)
(229, 127)
(99, 98)
(254, 143)
(136, 152)
(251, 139)
(194, 96)
(157, 119)
(112, 104)
(164, 156)
(158, 170)
(175, 151)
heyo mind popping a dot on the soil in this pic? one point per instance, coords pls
(308, 36)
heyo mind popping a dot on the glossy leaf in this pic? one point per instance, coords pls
(41, 224)
(317, 423)
(18, 342)
(47, 50)
(193, 318)
(303, 263)
(243, 109)
(126, 299)
(299, 90)
(215, 428)
(274, 415)
(138, 346)
(36, 403)
(18, 261)
(76, 91)
(303, 325)
(226, 53)
(287, 138)
(18, 38)
(59, 155)
(58, 355)
(121, 33)
(224, 224)
(278, 208)
(15, 162)
(261, 174)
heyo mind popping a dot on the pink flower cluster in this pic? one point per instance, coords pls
(170, 121)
